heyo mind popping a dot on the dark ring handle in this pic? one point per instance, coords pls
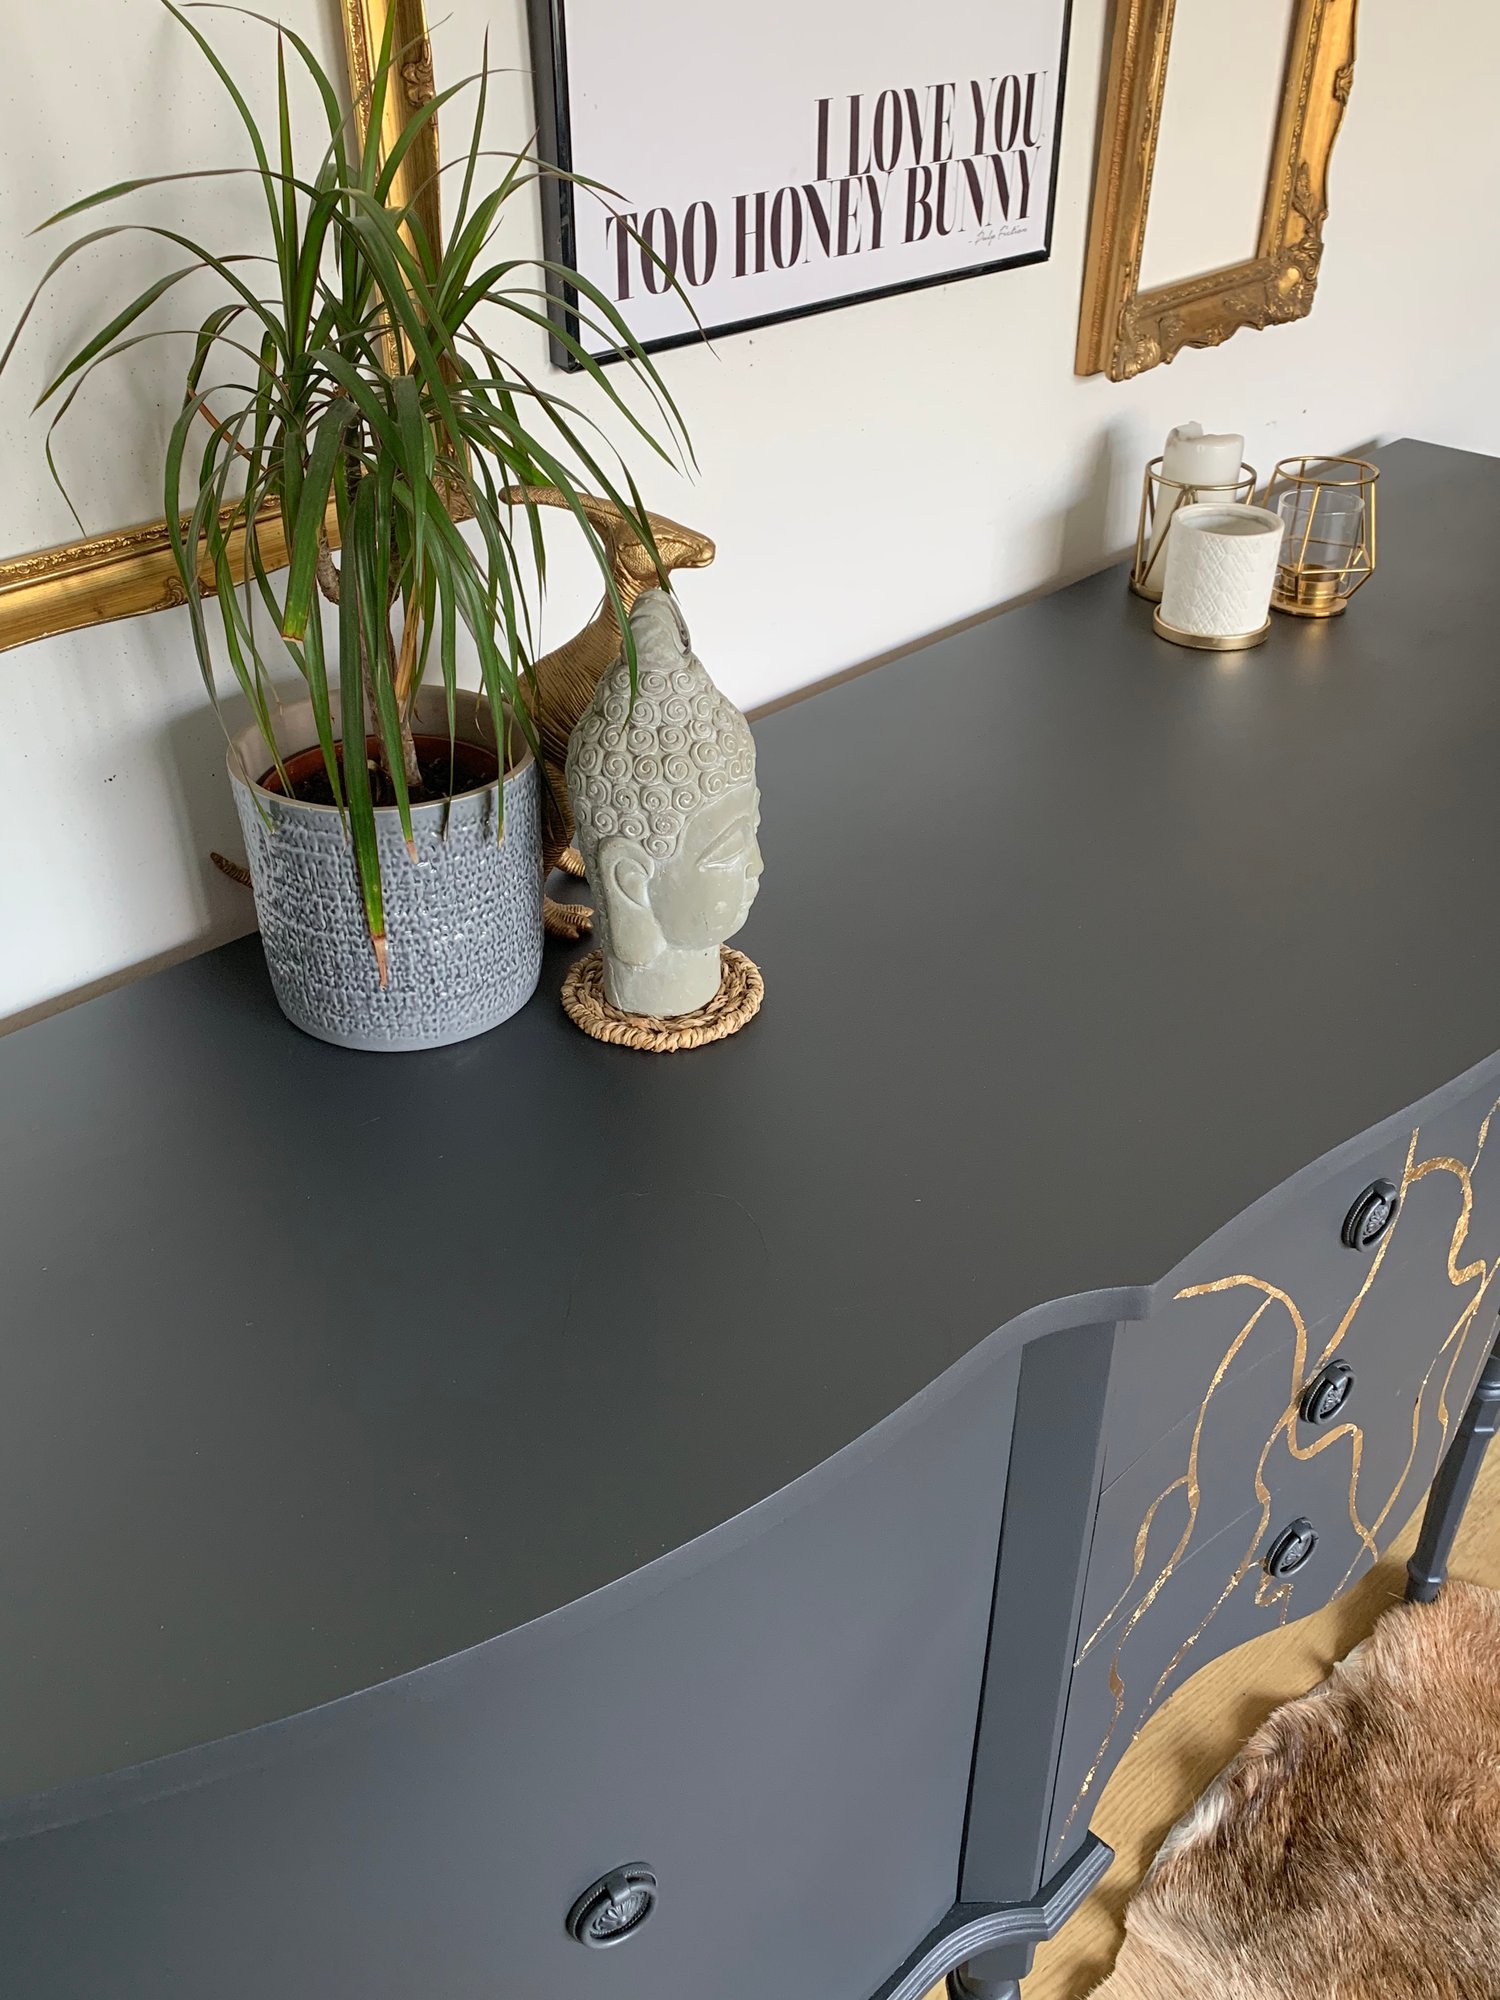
(1292, 1548)
(613, 1908)
(1371, 1216)
(1327, 1393)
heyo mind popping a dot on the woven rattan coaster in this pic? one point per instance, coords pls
(741, 990)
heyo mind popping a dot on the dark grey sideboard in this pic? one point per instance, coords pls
(533, 1520)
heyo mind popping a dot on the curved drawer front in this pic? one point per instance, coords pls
(1283, 1275)
(1177, 1569)
(1129, 1670)
(778, 1723)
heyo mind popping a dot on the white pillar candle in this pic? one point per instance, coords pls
(1191, 458)
(1221, 563)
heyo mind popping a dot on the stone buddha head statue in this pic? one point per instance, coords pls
(666, 810)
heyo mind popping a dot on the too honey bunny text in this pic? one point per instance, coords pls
(897, 166)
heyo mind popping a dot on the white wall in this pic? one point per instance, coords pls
(872, 475)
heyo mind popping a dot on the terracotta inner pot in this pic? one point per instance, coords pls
(448, 771)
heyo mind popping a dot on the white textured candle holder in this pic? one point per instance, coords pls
(1221, 564)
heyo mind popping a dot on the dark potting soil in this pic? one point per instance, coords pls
(446, 771)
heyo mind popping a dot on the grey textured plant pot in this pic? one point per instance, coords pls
(464, 921)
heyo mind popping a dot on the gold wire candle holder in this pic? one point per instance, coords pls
(1327, 510)
(1160, 499)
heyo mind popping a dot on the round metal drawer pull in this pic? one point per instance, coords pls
(1291, 1548)
(1327, 1393)
(614, 1908)
(1372, 1215)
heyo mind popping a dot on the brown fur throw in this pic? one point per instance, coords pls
(1352, 1850)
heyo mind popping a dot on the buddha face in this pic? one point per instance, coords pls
(693, 899)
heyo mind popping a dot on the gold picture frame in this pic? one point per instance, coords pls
(1122, 330)
(131, 572)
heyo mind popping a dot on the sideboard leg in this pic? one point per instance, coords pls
(995, 1972)
(964, 1985)
(978, 1951)
(1428, 1569)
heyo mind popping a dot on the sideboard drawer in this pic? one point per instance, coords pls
(1282, 1275)
(1126, 1668)
(1357, 1477)
(1179, 1496)
(777, 1722)
(1195, 1498)
(1178, 1572)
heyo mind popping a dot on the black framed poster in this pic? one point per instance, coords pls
(791, 156)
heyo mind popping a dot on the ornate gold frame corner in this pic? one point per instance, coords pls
(123, 575)
(131, 572)
(416, 181)
(1122, 330)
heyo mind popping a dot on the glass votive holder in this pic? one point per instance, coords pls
(1327, 510)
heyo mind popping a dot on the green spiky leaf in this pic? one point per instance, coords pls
(351, 380)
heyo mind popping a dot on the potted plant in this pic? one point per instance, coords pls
(355, 408)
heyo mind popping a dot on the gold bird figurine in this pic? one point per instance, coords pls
(561, 684)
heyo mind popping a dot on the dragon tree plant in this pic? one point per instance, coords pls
(348, 385)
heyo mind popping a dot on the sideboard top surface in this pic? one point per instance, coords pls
(318, 1366)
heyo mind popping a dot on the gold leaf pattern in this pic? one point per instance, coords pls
(1269, 1592)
